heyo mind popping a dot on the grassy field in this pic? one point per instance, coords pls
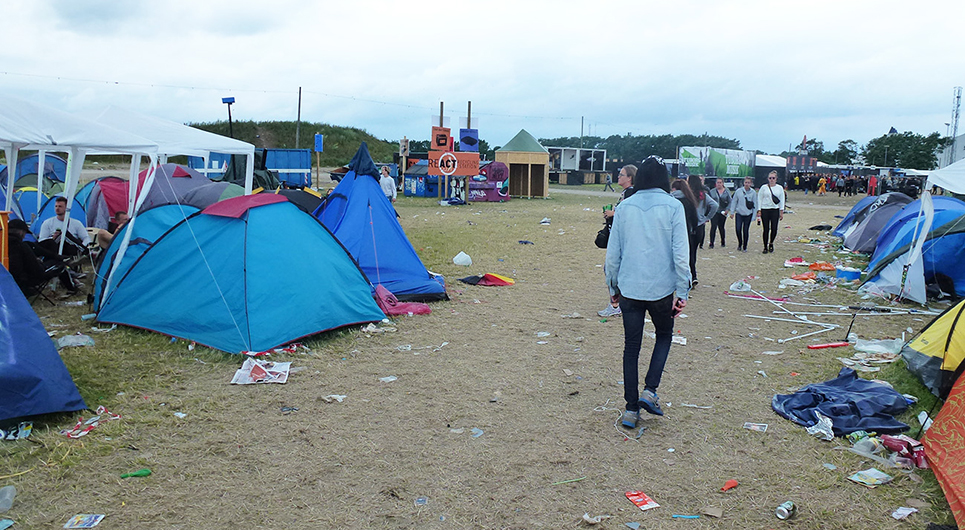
(547, 411)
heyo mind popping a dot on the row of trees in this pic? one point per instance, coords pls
(905, 150)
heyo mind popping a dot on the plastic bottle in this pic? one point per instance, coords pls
(868, 445)
(7, 493)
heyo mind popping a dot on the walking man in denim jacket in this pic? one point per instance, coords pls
(648, 270)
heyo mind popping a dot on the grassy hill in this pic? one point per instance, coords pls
(341, 143)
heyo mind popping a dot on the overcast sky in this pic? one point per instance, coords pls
(764, 72)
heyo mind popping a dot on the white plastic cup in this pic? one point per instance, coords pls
(7, 493)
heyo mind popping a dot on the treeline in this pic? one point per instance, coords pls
(636, 148)
(340, 143)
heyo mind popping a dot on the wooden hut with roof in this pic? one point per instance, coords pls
(528, 163)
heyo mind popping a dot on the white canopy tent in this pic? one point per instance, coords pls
(27, 125)
(951, 177)
(176, 139)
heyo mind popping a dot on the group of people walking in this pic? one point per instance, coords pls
(703, 205)
(654, 234)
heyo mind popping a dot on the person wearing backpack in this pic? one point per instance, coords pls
(770, 199)
(744, 208)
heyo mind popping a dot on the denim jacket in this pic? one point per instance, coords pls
(648, 255)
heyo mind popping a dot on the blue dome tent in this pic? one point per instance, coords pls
(33, 378)
(249, 273)
(364, 221)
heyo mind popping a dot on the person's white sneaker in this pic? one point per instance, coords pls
(610, 311)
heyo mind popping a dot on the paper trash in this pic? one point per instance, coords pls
(255, 371)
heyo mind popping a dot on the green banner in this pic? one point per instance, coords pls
(714, 162)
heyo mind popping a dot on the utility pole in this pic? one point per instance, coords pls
(956, 106)
(298, 124)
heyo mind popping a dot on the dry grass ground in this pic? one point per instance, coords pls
(546, 411)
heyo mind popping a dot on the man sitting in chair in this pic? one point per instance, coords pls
(29, 271)
(104, 237)
(51, 232)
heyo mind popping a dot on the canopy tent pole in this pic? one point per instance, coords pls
(148, 182)
(249, 172)
(41, 163)
(75, 162)
(12, 152)
(132, 185)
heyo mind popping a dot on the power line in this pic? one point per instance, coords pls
(269, 91)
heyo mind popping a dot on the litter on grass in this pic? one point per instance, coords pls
(17, 432)
(823, 429)
(85, 520)
(83, 427)
(71, 341)
(596, 519)
(903, 512)
(871, 478)
(758, 427)
(641, 500)
(255, 371)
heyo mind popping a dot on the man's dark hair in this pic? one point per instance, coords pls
(652, 174)
(60, 199)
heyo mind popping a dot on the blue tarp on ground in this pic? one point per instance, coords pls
(365, 222)
(852, 403)
(33, 378)
(249, 273)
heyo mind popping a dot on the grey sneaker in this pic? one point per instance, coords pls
(610, 311)
(630, 418)
(650, 403)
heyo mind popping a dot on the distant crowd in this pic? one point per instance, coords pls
(851, 185)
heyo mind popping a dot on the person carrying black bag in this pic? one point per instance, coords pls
(721, 194)
(770, 200)
(625, 181)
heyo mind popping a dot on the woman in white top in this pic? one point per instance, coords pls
(770, 200)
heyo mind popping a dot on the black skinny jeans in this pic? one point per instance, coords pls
(742, 223)
(634, 311)
(717, 222)
(769, 218)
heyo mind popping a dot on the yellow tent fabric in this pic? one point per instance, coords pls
(936, 354)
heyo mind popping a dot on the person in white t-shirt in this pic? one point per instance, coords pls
(388, 185)
(51, 232)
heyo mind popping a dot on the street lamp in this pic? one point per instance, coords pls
(229, 101)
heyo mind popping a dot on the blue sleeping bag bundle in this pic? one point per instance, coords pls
(852, 403)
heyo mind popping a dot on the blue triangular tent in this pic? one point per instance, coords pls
(249, 273)
(33, 378)
(364, 221)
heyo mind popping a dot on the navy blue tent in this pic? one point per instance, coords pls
(364, 221)
(33, 378)
(231, 278)
(857, 211)
(863, 235)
